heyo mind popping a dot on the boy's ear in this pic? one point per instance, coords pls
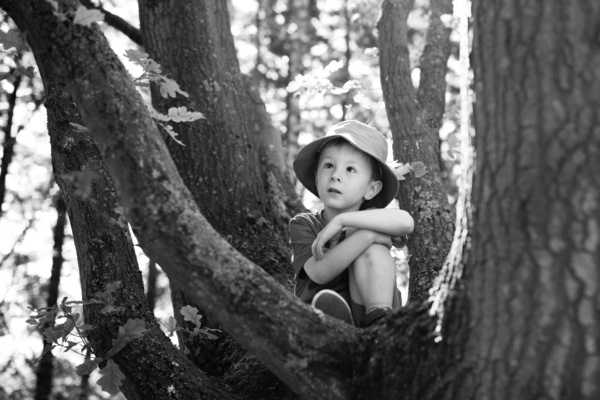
(374, 188)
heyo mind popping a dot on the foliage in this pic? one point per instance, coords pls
(64, 328)
(168, 88)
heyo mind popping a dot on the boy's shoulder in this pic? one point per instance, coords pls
(311, 218)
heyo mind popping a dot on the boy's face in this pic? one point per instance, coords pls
(343, 178)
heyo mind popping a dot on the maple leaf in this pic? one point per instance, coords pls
(86, 17)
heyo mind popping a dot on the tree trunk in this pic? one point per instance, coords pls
(8, 146)
(45, 369)
(414, 121)
(534, 281)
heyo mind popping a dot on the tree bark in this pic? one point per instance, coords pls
(414, 121)
(534, 286)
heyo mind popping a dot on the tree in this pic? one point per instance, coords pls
(521, 238)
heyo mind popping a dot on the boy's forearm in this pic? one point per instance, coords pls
(388, 220)
(339, 258)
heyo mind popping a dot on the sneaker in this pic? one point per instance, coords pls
(375, 315)
(333, 305)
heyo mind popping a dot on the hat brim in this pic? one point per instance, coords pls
(305, 166)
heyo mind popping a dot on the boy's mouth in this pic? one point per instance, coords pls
(332, 190)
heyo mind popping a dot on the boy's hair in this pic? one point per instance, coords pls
(339, 143)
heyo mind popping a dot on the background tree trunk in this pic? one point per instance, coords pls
(45, 368)
(414, 120)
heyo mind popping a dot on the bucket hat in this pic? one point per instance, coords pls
(363, 137)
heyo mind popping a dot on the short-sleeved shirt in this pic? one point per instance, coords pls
(304, 229)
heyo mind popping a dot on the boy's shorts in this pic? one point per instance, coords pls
(359, 311)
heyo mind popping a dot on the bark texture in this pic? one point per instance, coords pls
(534, 277)
(414, 120)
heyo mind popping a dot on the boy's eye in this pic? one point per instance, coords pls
(351, 169)
(327, 165)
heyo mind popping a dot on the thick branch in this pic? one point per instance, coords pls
(433, 63)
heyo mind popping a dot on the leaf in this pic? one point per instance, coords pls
(205, 332)
(181, 114)
(400, 170)
(419, 168)
(10, 40)
(140, 58)
(171, 325)
(172, 133)
(191, 314)
(79, 127)
(109, 309)
(133, 329)
(70, 345)
(88, 366)
(65, 328)
(87, 17)
(168, 87)
(52, 335)
(111, 378)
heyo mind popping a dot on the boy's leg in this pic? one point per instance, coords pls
(373, 279)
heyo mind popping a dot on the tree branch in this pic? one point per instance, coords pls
(434, 60)
(423, 194)
(117, 22)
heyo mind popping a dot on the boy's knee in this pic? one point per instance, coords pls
(374, 254)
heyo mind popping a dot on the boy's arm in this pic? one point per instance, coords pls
(326, 266)
(390, 221)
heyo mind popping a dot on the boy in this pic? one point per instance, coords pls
(341, 254)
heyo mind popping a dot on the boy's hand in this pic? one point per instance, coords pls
(384, 239)
(332, 229)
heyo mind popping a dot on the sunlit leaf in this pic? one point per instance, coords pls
(86, 17)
